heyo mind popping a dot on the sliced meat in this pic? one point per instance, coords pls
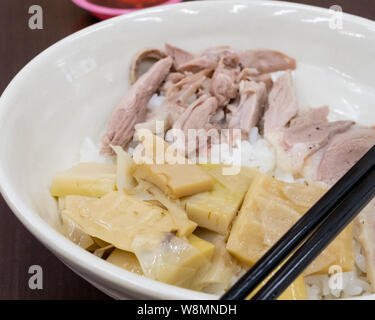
(183, 92)
(171, 80)
(198, 64)
(253, 97)
(343, 152)
(146, 54)
(307, 119)
(224, 85)
(254, 75)
(183, 89)
(133, 107)
(266, 61)
(309, 132)
(174, 111)
(296, 138)
(175, 77)
(282, 104)
(266, 79)
(178, 55)
(204, 87)
(217, 53)
(311, 165)
(366, 222)
(197, 115)
(248, 74)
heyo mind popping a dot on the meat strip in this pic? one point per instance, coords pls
(253, 97)
(133, 107)
(183, 91)
(296, 138)
(266, 61)
(146, 54)
(309, 132)
(343, 152)
(253, 75)
(198, 64)
(197, 115)
(224, 84)
(179, 56)
(282, 104)
(217, 53)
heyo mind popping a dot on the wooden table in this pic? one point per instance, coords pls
(18, 45)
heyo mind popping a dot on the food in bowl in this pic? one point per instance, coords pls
(205, 163)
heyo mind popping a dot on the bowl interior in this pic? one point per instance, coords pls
(69, 91)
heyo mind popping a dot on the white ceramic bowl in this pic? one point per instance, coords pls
(69, 91)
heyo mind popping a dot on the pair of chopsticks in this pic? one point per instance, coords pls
(310, 235)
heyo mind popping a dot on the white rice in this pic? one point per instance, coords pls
(254, 153)
(340, 285)
(155, 101)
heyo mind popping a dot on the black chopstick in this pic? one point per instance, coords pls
(297, 234)
(340, 217)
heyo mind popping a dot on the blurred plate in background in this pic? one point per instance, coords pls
(104, 9)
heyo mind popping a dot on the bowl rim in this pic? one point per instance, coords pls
(123, 280)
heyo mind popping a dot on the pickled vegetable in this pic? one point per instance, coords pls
(85, 179)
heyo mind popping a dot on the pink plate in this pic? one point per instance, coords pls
(103, 13)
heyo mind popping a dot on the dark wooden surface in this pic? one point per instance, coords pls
(18, 45)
